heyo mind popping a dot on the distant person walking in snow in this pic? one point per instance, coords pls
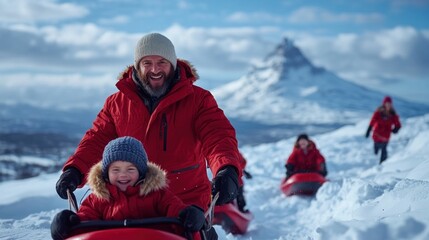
(126, 186)
(180, 125)
(384, 121)
(305, 157)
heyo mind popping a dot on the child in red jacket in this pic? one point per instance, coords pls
(126, 186)
(305, 157)
(384, 121)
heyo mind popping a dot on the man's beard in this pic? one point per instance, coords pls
(158, 92)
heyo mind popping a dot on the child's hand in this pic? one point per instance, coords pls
(62, 224)
(192, 218)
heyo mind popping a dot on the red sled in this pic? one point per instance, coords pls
(305, 184)
(127, 233)
(131, 229)
(231, 219)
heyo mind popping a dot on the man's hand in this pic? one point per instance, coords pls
(226, 183)
(70, 179)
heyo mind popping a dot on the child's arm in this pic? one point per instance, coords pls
(169, 205)
(91, 209)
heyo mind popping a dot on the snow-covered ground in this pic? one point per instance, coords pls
(361, 201)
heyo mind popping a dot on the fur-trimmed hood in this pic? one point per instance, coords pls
(155, 180)
(187, 70)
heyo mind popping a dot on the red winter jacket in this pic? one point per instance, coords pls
(149, 199)
(313, 161)
(186, 132)
(382, 123)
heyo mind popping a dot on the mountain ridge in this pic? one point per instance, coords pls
(287, 88)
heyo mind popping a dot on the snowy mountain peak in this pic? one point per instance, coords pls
(286, 88)
(287, 56)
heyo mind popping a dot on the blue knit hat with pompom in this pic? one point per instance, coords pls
(126, 149)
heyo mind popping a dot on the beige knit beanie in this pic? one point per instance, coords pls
(155, 44)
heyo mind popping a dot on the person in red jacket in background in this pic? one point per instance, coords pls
(384, 121)
(125, 186)
(305, 157)
(180, 125)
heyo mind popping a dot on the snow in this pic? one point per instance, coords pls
(27, 160)
(361, 201)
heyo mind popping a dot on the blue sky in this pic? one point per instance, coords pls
(380, 44)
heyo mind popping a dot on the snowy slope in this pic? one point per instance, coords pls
(287, 88)
(362, 201)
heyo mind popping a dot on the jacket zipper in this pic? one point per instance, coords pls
(164, 130)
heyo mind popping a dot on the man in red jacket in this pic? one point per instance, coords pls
(384, 121)
(180, 125)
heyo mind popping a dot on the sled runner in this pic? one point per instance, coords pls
(231, 219)
(135, 229)
(305, 184)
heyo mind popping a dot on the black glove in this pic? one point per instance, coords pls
(70, 179)
(323, 170)
(226, 183)
(193, 218)
(247, 175)
(395, 130)
(368, 131)
(241, 202)
(289, 170)
(62, 224)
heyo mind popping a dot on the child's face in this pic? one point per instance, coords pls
(123, 174)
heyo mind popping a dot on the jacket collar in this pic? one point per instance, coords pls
(155, 180)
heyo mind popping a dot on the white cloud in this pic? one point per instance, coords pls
(396, 42)
(83, 47)
(15, 80)
(115, 20)
(88, 47)
(397, 53)
(242, 17)
(315, 15)
(182, 4)
(28, 11)
(224, 53)
(222, 49)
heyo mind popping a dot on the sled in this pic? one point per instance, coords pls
(127, 233)
(134, 229)
(231, 219)
(302, 184)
